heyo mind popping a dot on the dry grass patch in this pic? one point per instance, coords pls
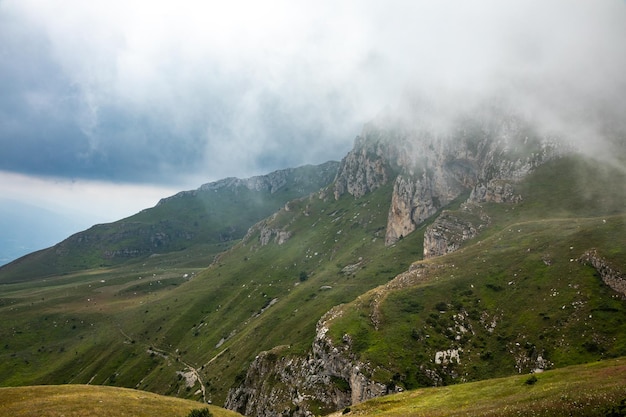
(94, 401)
(584, 390)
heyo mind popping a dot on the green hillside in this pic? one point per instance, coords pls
(184, 325)
(199, 224)
(595, 389)
(136, 326)
(517, 298)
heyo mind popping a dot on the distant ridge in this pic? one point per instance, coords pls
(216, 215)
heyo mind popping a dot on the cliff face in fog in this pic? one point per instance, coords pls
(482, 157)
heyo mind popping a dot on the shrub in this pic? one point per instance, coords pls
(200, 413)
(531, 380)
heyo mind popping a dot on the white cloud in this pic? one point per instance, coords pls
(172, 92)
(88, 202)
(234, 81)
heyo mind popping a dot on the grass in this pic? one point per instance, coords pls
(141, 323)
(592, 389)
(103, 325)
(95, 401)
(512, 298)
(192, 226)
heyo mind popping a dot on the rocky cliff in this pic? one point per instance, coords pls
(327, 379)
(302, 181)
(609, 275)
(483, 155)
(450, 229)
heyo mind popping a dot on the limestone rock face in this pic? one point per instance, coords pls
(329, 378)
(279, 236)
(451, 229)
(495, 191)
(610, 275)
(303, 179)
(483, 156)
(369, 165)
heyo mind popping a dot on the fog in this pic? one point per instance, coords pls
(176, 94)
(168, 92)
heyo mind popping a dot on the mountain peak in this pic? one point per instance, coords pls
(430, 168)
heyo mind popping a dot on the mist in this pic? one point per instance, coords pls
(168, 96)
(156, 92)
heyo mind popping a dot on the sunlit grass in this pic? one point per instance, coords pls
(584, 390)
(94, 401)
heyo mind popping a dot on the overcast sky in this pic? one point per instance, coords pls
(110, 105)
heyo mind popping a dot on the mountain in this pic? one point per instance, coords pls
(428, 256)
(435, 323)
(209, 220)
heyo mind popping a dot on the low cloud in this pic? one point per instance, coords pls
(180, 93)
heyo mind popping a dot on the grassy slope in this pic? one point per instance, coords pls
(194, 226)
(95, 401)
(74, 328)
(594, 389)
(138, 324)
(522, 274)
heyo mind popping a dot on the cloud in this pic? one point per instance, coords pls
(95, 201)
(110, 105)
(164, 92)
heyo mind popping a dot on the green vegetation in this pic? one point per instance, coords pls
(595, 389)
(204, 412)
(189, 228)
(515, 299)
(93, 401)
(188, 323)
(143, 324)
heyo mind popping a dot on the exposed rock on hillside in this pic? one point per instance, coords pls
(329, 378)
(368, 165)
(495, 191)
(484, 155)
(303, 181)
(452, 228)
(279, 236)
(610, 276)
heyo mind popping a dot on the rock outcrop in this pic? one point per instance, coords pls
(452, 228)
(327, 379)
(303, 180)
(483, 156)
(278, 236)
(610, 276)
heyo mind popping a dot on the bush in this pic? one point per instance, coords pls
(532, 380)
(200, 413)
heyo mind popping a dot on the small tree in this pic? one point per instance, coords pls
(303, 276)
